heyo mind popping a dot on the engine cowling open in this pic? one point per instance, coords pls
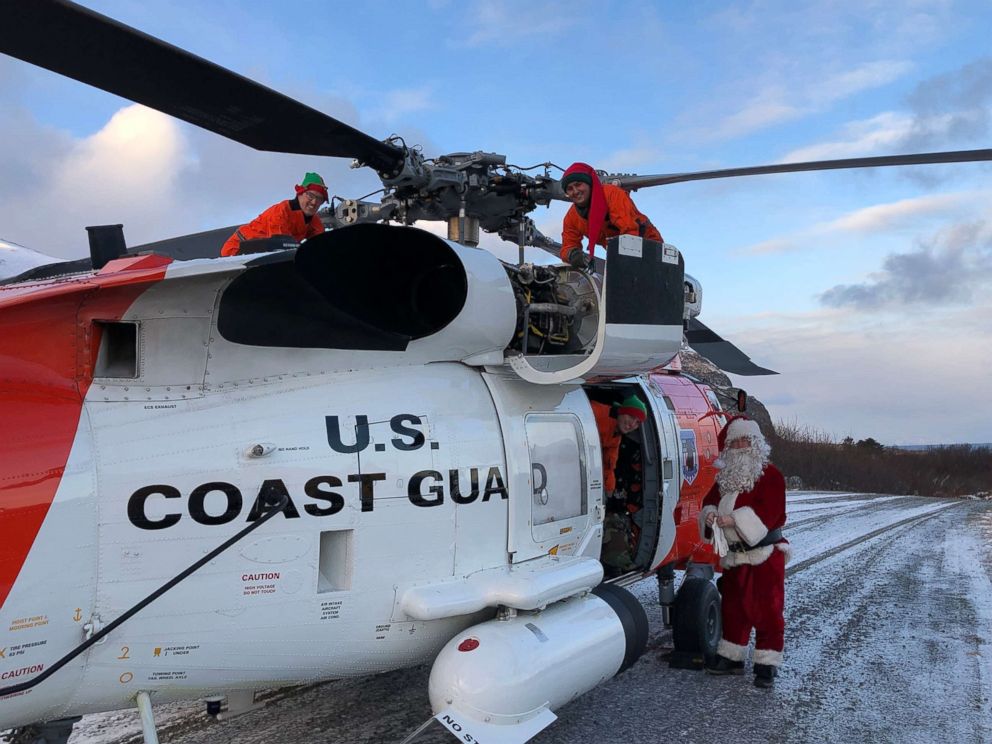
(399, 295)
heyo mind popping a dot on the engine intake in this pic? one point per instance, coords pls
(366, 286)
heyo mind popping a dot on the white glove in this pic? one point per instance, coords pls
(719, 541)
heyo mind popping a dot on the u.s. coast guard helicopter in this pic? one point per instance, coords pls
(222, 475)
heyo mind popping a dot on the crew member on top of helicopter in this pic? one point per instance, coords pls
(613, 422)
(296, 217)
(597, 209)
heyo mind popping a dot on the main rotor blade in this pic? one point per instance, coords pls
(99, 51)
(632, 183)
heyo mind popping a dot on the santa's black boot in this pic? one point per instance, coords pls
(764, 675)
(722, 665)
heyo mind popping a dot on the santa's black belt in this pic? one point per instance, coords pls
(770, 539)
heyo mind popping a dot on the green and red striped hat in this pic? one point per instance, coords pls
(312, 182)
(634, 406)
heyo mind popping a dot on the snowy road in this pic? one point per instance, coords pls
(888, 639)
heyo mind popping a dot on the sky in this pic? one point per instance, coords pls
(870, 292)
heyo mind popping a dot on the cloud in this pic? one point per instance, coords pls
(507, 22)
(159, 177)
(885, 131)
(945, 111)
(761, 114)
(800, 93)
(629, 158)
(126, 172)
(880, 218)
(896, 378)
(847, 83)
(396, 104)
(950, 268)
(952, 108)
(884, 217)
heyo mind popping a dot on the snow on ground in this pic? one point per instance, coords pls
(889, 621)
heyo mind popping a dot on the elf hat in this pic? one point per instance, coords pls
(634, 406)
(312, 182)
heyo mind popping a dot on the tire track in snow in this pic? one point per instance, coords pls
(881, 643)
(804, 564)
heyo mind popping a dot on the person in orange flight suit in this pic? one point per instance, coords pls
(613, 422)
(294, 217)
(597, 209)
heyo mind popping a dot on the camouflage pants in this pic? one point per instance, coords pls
(616, 543)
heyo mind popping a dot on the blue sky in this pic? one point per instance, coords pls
(867, 290)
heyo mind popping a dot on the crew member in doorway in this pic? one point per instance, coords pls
(295, 217)
(747, 503)
(599, 211)
(613, 423)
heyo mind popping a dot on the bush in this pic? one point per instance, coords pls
(870, 467)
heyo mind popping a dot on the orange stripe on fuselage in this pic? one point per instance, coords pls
(47, 349)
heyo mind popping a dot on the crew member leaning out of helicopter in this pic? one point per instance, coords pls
(603, 210)
(296, 218)
(613, 422)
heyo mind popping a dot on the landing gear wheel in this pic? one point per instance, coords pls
(696, 623)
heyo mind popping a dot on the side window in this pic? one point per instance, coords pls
(557, 460)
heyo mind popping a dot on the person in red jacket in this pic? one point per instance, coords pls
(599, 212)
(294, 217)
(747, 504)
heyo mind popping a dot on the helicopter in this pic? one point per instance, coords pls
(289, 465)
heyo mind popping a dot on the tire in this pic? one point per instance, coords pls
(696, 623)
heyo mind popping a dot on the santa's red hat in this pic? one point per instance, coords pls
(738, 427)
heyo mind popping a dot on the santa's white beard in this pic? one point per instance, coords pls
(739, 469)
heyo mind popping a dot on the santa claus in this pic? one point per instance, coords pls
(746, 507)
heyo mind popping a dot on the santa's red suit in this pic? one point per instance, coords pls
(753, 580)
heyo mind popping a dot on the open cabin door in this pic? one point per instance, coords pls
(667, 425)
(640, 312)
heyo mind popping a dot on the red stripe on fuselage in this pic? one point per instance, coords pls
(48, 344)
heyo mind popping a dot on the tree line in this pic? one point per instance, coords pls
(819, 462)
